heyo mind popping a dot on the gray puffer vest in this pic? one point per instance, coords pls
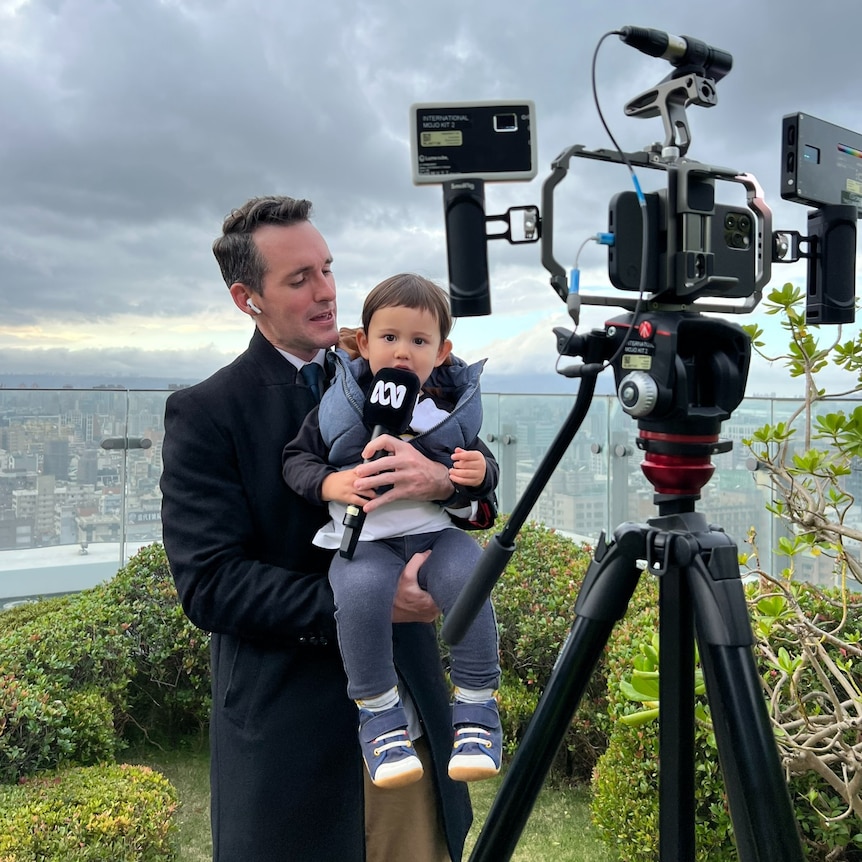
(341, 410)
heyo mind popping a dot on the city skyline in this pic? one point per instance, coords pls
(60, 489)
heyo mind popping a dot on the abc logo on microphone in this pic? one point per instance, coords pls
(388, 394)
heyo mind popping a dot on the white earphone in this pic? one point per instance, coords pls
(252, 306)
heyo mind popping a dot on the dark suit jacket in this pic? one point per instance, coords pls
(286, 769)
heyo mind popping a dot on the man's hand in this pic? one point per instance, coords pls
(412, 603)
(411, 474)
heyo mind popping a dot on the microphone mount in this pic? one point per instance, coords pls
(668, 100)
(697, 69)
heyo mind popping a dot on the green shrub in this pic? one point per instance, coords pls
(119, 813)
(625, 803)
(625, 781)
(517, 702)
(79, 672)
(43, 726)
(13, 618)
(534, 602)
(75, 672)
(72, 661)
(169, 691)
(75, 645)
(90, 718)
(34, 733)
(39, 731)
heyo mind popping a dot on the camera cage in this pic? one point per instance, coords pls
(693, 261)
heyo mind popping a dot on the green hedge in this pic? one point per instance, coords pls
(41, 729)
(81, 673)
(625, 781)
(534, 602)
(113, 813)
(168, 693)
(64, 671)
(13, 618)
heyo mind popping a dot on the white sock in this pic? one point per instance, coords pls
(473, 695)
(382, 701)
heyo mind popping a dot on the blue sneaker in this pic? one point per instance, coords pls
(386, 747)
(478, 747)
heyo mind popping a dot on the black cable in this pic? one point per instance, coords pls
(640, 196)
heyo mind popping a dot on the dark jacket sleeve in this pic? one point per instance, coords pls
(304, 460)
(238, 540)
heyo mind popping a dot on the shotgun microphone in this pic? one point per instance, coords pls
(388, 410)
(681, 51)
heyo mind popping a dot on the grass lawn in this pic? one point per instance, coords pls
(558, 830)
(187, 768)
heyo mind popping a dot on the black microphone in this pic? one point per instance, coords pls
(682, 51)
(388, 410)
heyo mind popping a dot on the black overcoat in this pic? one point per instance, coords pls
(286, 771)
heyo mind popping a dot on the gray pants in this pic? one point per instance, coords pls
(364, 589)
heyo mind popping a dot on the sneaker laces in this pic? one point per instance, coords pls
(483, 739)
(401, 742)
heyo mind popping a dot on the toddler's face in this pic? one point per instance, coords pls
(407, 338)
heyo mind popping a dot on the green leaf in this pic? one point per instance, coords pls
(638, 719)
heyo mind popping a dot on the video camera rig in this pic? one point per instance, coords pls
(680, 374)
(678, 247)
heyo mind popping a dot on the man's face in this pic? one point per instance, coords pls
(298, 299)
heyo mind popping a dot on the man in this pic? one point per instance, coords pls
(286, 772)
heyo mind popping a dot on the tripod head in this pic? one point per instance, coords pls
(680, 375)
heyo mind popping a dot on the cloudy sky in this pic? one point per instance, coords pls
(130, 128)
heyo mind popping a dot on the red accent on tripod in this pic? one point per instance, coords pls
(677, 464)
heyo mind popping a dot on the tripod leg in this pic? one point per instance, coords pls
(608, 586)
(676, 719)
(760, 806)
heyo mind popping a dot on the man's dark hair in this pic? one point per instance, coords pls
(235, 251)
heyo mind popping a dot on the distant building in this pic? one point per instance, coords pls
(56, 460)
(88, 467)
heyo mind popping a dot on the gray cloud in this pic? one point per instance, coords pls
(131, 128)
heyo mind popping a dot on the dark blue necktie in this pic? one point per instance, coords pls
(312, 374)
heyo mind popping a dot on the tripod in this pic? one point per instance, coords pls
(696, 377)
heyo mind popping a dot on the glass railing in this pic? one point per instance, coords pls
(80, 468)
(79, 485)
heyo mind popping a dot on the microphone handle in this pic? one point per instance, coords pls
(354, 517)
